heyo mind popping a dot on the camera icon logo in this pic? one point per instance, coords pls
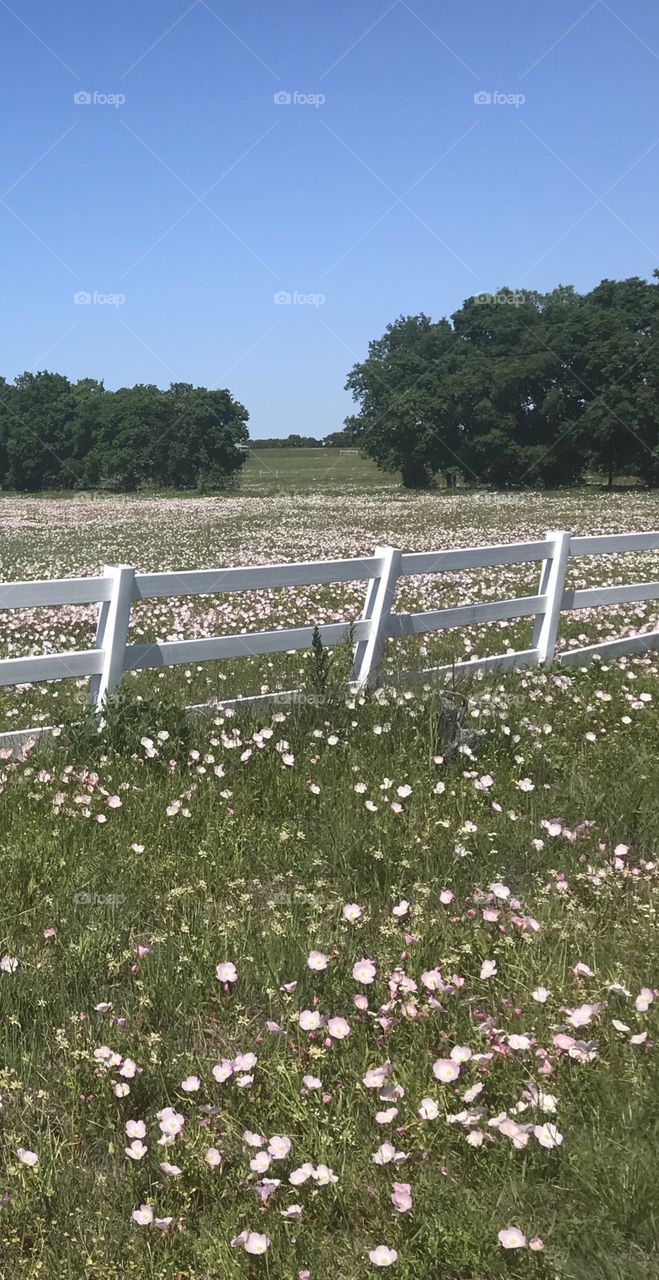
(282, 99)
(482, 98)
(83, 298)
(82, 99)
(283, 298)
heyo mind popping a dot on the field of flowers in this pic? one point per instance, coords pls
(317, 988)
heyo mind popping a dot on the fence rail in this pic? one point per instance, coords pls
(121, 586)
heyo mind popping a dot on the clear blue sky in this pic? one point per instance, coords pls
(199, 198)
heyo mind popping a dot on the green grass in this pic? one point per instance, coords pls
(240, 841)
(274, 471)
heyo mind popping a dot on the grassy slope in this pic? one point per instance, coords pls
(254, 868)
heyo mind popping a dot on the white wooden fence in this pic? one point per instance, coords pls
(120, 586)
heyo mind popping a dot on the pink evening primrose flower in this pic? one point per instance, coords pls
(309, 1020)
(401, 1196)
(256, 1243)
(213, 1157)
(382, 1256)
(488, 968)
(191, 1084)
(316, 961)
(143, 1216)
(279, 1147)
(30, 1158)
(137, 1150)
(226, 972)
(338, 1028)
(446, 1070)
(364, 972)
(351, 912)
(512, 1238)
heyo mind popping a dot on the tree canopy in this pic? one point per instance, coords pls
(55, 434)
(517, 388)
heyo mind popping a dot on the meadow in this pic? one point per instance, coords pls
(319, 986)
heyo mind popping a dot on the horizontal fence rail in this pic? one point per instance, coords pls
(121, 586)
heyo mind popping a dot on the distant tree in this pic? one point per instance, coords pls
(55, 435)
(38, 432)
(208, 428)
(518, 388)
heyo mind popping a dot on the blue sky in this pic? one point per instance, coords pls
(198, 198)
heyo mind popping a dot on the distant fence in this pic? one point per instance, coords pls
(121, 586)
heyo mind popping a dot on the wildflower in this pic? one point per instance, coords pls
(135, 1129)
(644, 1000)
(279, 1147)
(316, 961)
(338, 1028)
(548, 1135)
(298, 1176)
(293, 1211)
(260, 1162)
(163, 1223)
(222, 1070)
(429, 1109)
(387, 1154)
(312, 1082)
(144, 1215)
(352, 912)
(309, 1020)
(252, 1139)
(540, 995)
(171, 1122)
(212, 1157)
(488, 968)
(500, 890)
(8, 964)
(255, 1243)
(401, 1196)
(583, 1015)
(136, 1151)
(446, 897)
(446, 1070)
(376, 1076)
(385, 1117)
(226, 972)
(401, 908)
(191, 1084)
(536, 1244)
(30, 1158)
(511, 1238)
(364, 972)
(382, 1256)
(172, 1170)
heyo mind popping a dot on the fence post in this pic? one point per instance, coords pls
(377, 609)
(112, 631)
(552, 585)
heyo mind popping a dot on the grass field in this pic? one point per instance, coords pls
(316, 989)
(335, 471)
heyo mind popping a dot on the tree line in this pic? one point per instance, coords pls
(517, 388)
(335, 440)
(55, 434)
